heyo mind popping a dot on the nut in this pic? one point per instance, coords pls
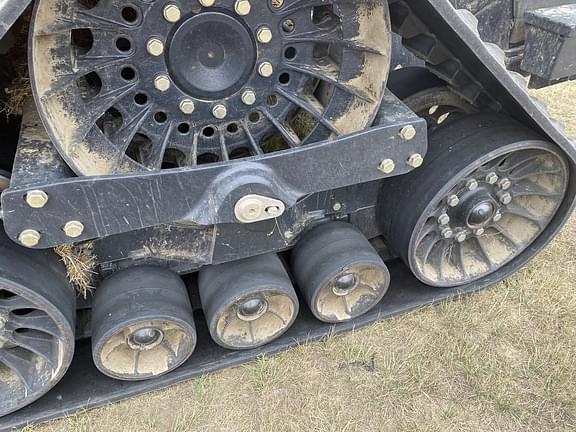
(172, 13)
(207, 3)
(187, 106)
(506, 198)
(461, 237)
(444, 219)
(453, 200)
(277, 4)
(155, 47)
(249, 97)
(337, 207)
(36, 199)
(219, 111)
(162, 83)
(408, 133)
(472, 184)
(266, 69)
(415, 161)
(73, 229)
(497, 217)
(273, 211)
(264, 35)
(479, 231)
(447, 233)
(387, 166)
(242, 7)
(505, 184)
(492, 178)
(29, 238)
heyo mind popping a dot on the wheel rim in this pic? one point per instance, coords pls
(488, 215)
(36, 346)
(114, 86)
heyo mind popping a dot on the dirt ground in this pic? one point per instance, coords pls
(502, 360)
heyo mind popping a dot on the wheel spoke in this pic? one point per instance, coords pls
(528, 188)
(332, 36)
(36, 320)
(504, 233)
(287, 133)
(15, 302)
(21, 363)
(36, 342)
(482, 250)
(255, 147)
(533, 167)
(517, 210)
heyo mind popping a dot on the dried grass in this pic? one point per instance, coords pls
(80, 265)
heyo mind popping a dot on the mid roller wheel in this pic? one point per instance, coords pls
(489, 191)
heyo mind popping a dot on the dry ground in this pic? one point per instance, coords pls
(502, 360)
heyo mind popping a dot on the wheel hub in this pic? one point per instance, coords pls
(251, 310)
(145, 338)
(345, 284)
(211, 55)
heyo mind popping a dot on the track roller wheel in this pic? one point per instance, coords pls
(37, 319)
(142, 324)
(339, 272)
(488, 190)
(248, 303)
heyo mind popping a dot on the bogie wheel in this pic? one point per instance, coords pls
(489, 196)
(126, 86)
(37, 318)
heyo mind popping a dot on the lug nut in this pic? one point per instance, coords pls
(162, 83)
(492, 178)
(447, 233)
(73, 229)
(219, 111)
(453, 200)
(242, 7)
(408, 133)
(155, 47)
(506, 198)
(387, 166)
(497, 217)
(479, 231)
(415, 161)
(461, 237)
(187, 106)
(505, 184)
(471, 185)
(444, 219)
(207, 3)
(172, 13)
(36, 199)
(29, 238)
(264, 35)
(265, 69)
(249, 97)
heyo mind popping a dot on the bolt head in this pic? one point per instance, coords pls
(73, 229)
(453, 200)
(444, 219)
(242, 7)
(162, 83)
(505, 184)
(497, 217)
(506, 198)
(172, 13)
(387, 166)
(155, 47)
(36, 199)
(492, 178)
(29, 238)
(249, 97)
(187, 106)
(447, 233)
(264, 35)
(479, 231)
(3, 321)
(273, 211)
(461, 237)
(277, 4)
(408, 133)
(337, 206)
(207, 3)
(266, 69)
(415, 161)
(472, 184)
(219, 111)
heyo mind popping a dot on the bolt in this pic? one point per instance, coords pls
(249, 97)
(187, 106)
(479, 231)
(29, 238)
(492, 178)
(3, 322)
(497, 217)
(408, 133)
(415, 161)
(288, 234)
(277, 4)
(242, 7)
(453, 200)
(207, 3)
(162, 83)
(444, 219)
(506, 198)
(337, 206)
(73, 229)
(505, 184)
(172, 13)
(155, 47)
(264, 35)
(36, 199)
(461, 237)
(219, 111)
(265, 69)
(471, 185)
(387, 166)
(447, 233)
(288, 25)
(273, 211)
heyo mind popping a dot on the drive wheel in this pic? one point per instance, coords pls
(488, 191)
(121, 88)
